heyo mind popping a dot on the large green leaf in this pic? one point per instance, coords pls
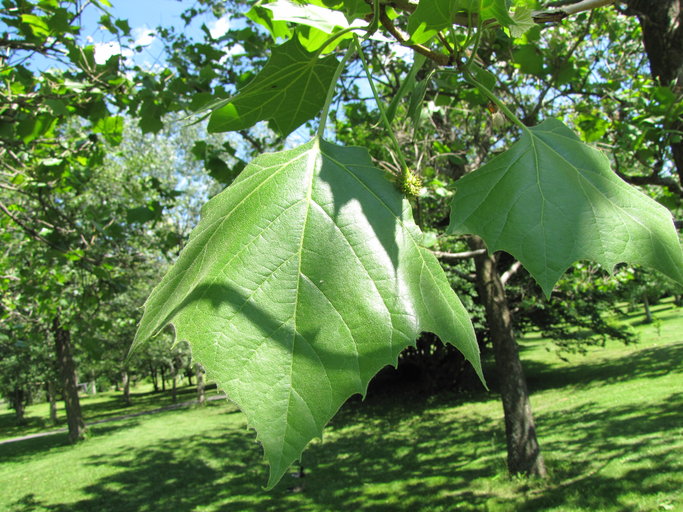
(302, 280)
(551, 200)
(289, 91)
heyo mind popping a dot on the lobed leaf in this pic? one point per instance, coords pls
(551, 200)
(289, 91)
(302, 280)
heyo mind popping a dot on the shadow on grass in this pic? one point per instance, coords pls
(223, 469)
(646, 363)
(389, 455)
(639, 444)
(26, 449)
(95, 408)
(400, 453)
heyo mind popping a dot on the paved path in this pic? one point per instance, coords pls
(117, 418)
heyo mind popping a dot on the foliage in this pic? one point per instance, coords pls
(549, 200)
(555, 202)
(299, 312)
(78, 232)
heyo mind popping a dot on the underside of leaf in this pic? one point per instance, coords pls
(289, 91)
(551, 200)
(302, 280)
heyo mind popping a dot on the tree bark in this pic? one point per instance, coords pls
(125, 384)
(67, 370)
(153, 373)
(524, 453)
(646, 307)
(201, 385)
(51, 393)
(18, 403)
(662, 24)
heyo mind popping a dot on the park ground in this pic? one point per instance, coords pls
(610, 424)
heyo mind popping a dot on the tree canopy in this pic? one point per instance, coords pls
(312, 270)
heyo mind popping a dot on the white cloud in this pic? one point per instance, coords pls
(143, 36)
(105, 50)
(219, 27)
(231, 51)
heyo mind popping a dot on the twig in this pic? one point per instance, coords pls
(455, 256)
(439, 58)
(555, 15)
(510, 272)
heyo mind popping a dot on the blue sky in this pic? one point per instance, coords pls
(143, 17)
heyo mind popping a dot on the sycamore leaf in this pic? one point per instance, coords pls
(264, 17)
(289, 91)
(551, 200)
(431, 16)
(316, 16)
(303, 279)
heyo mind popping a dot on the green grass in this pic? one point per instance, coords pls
(610, 426)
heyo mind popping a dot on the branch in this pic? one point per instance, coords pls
(31, 232)
(456, 256)
(439, 58)
(555, 15)
(467, 277)
(510, 272)
(653, 179)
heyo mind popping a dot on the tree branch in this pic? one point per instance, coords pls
(456, 256)
(439, 58)
(555, 15)
(510, 272)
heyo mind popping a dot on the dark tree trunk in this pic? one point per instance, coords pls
(201, 386)
(67, 370)
(174, 389)
(51, 393)
(662, 24)
(18, 403)
(524, 454)
(153, 374)
(163, 378)
(125, 384)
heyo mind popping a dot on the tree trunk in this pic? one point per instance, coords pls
(18, 403)
(51, 393)
(125, 384)
(67, 370)
(524, 454)
(153, 374)
(201, 386)
(648, 313)
(163, 378)
(174, 395)
(662, 24)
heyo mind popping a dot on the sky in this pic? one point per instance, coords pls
(143, 17)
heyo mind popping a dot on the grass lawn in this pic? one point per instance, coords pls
(610, 425)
